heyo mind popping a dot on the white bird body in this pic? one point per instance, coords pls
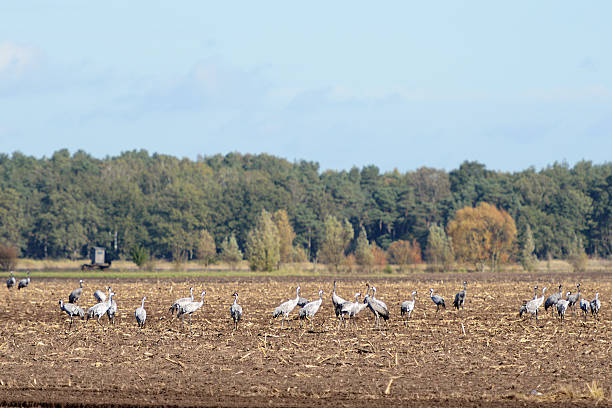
(178, 303)
(141, 314)
(190, 308)
(562, 305)
(236, 311)
(286, 307)
(99, 309)
(584, 306)
(311, 308)
(100, 296)
(533, 305)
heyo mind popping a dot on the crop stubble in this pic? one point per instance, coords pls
(499, 360)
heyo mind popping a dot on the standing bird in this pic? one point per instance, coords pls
(337, 301)
(407, 307)
(112, 310)
(523, 308)
(562, 305)
(236, 311)
(99, 309)
(99, 296)
(552, 301)
(178, 303)
(438, 300)
(533, 305)
(460, 297)
(24, 282)
(378, 307)
(310, 309)
(141, 314)
(76, 294)
(584, 306)
(351, 309)
(574, 298)
(11, 281)
(301, 300)
(595, 305)
(71, 310)
(286, 307)
(190, 308)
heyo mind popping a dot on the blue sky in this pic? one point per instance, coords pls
(399, 85)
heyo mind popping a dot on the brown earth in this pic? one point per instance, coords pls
(499, 360)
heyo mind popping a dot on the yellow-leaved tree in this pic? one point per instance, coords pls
(484, 234)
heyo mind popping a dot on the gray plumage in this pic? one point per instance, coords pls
(286, 307)
(523, 308)
(584, 306)
(99, 309)
(99, 296)
(595, 305)
(76, 294)
(236, 311)
(337, 301)
(533, 305)
(112, 310)
(190, 308)
(407, 307)
(460, 297)
(574, 298)
(552, 300)
(178, 303)
(10, 281)
(562, 305)
(23, 283)
(311, 308)
(438, 300)
(141, 314)
(71, 310)
(376, 306)
(351, 309)
(301, 300)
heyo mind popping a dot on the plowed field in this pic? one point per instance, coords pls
(483, 355)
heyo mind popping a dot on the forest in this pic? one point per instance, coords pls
(61, 206)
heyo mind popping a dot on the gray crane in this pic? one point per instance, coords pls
(337, 301)
(460, 297)
(523, 308)
(99, 309)
(141, 314)
(584, 306)
(351, 309)
(595, 305)
(574, 298)
(378, 307)
(99, 296)
(71, 310)
(302, 301)
(23, 283)
(178, 303)
(310, 309)
(112, 310)
(562, 305)
(236, 311)
(533, 305)
(407, 307)
(438, 300)
(286, 307)
(190, 308)
(76, 294)
(552, 300)
(11, 281)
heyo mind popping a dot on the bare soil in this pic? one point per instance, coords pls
(483, 355)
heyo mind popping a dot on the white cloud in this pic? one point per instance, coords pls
(16, 60)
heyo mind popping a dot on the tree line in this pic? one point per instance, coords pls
(61, 206)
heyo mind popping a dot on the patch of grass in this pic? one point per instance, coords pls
(595, 391)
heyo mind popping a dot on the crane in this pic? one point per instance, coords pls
(595, 305)
(76, 294)
(310, 309)
(23, 283)
(337, 301)
(533, 305)
(573, 298)
(552, 300)
(141, 314)
(99, 296)
(378, 307)
(584, 306)
(112, 310)
(286, 307)
(99, 309)
(562, 305)
(178, 303)
(236, 311)
(351, 309)
(190, 308)
(71, 310)
(438, 300)
(407, 307)
(10, 281)
(460, 297)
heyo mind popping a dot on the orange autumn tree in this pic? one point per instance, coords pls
(483, 234)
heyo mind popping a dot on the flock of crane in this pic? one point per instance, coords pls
(560, 303)
(345, 310)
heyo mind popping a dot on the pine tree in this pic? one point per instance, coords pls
(263, 244)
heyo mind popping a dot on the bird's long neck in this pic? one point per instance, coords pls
(236, 299)
(81, 284)
(191, 293)
(413, 295)
(297, 293)
(142, 304)
(202, 298)
(334, 287)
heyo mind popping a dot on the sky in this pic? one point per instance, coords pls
(397, 84)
